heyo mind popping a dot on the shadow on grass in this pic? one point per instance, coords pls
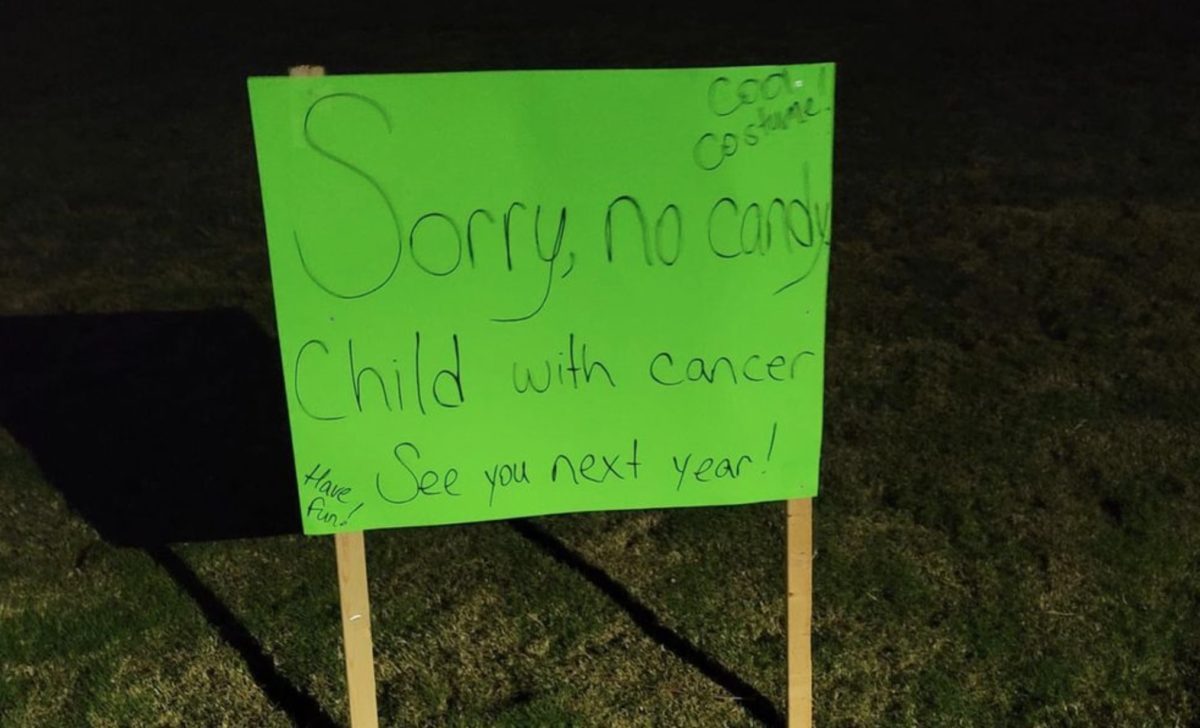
(162, 427)
(752, 701)
(301, 707)
(158, 428)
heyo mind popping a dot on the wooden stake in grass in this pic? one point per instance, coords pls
(352, 589)
(799, 613)
(356, 629)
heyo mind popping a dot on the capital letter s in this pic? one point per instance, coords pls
(308, 138)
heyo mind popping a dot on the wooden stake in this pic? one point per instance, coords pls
(799, 613)
(306, 71)
(352, 590)
(356, 629)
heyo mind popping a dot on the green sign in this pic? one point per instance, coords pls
(519, 293)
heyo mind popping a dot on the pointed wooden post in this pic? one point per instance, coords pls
(799, 613)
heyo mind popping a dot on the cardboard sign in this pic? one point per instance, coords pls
(517, 293)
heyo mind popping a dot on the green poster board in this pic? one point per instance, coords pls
(507, 294)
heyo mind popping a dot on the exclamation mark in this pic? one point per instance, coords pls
(771, 445)
(351, 515)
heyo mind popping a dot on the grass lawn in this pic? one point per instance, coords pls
(1009, 526)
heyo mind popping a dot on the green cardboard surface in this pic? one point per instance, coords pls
(506, 294)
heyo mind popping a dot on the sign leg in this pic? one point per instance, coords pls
(356, 629)
(799, 613)
(352, 591)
